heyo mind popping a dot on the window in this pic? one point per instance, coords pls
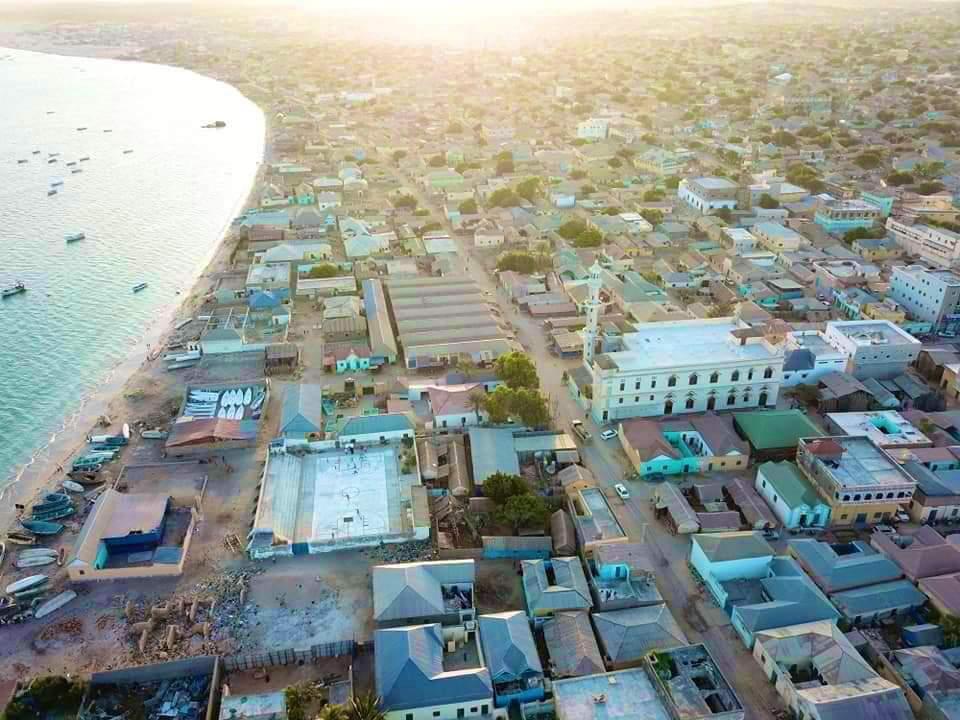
(868, 496)
(689, 404)
(653, 383)
(637, 386)
(460, 712)
(889, 496)
(409, 716)
(900, 494)
(731, 400)
(473, 711)
(877, 516)
(750, 374)
(693, 379)
(668, 407)
(436, 713)
(672, 382)
(774, 497)
(714, 377)
(735, 376)
(636, 399)
(484, 709)
(856, 498)
(846, 498)
(768, 373)
(622, 386)
(843, 517)
(763, 483)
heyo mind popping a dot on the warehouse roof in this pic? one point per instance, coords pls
(773, 429)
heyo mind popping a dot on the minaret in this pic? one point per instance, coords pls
(593, 315)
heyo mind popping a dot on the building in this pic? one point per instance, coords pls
(708, 194)
(869, 605)
(933, 676)
(739, 240)
(820, 675)
(383, 343)
(873, 348)
(428, 672)
(934, 245)
(881, 198)
(684, 367)
(571, 645)
(809, 357)
(791, 496)
(627, 636)
(593, 518)
(842, 566)
(927, 555)
(692, 686)
(131, 536)
(551, 586)
(860, 481)
(622, 575)
(841, 216)
(216, 418)
(931, 296)
(625, 695)
(777, 238)
(938, 484)
(704, 443)
(593, 129)
(774, 434)
(420, 593)
(302, 413)
(887, 429)
(512, 658)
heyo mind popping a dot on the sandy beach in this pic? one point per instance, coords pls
(44, 472)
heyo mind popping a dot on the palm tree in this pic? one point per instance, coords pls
(476, 401)
(366, 707)
(333, 712)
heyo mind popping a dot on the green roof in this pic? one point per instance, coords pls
(771, 429)
(790, 484)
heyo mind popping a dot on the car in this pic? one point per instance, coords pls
(622, 491)
(884, 529)
(608, 434)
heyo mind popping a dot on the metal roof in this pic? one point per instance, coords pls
(508, 646)
(373, 424)
(302, 409)
(492, 450)
(628, 635)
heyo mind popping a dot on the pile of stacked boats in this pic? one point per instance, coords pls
(103, 449)
(234, 404)
(54, 506)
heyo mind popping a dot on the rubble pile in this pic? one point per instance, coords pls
(230, 591)
(174, 629)
(402, 552)
(180, 699)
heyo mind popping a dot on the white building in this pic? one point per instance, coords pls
(739, 240)
(928, 295)
(809, 357)
(708, 194)
(637, 224)
(593, 129)
(936, 246)
(488, 234)
(687, 366)
(873, 348)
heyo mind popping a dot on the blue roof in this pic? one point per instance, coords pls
(277, 218)
(878, 598)
(373, 424)
(492, 450)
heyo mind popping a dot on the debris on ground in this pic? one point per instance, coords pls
(180, 699)
(402, 552)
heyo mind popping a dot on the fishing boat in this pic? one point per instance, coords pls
(71, 163)
(36, 152)
(54, 603)
(42, 527)
(51, 161)
(108, 130)
(139, 286)
(76, 171)
(56, 182)
(153, 434)
(81, 129)
(51, 191)
(26, 584)
(22, 563)
(37, 552)
(51, 500)
(84, 158)
(72, 486)
(85, 477)
(73, 237)
(58, 513)
(53, 154)
(21, 538)
(21, 162)
(127, 152)
(15, 289)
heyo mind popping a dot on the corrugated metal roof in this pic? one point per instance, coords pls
(572, 645)
(628, 635)
(508, 647)
(373, 424)
(302, 409)
(492, 450)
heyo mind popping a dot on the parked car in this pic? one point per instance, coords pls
(885, 529)
(581, 431)
(622, 491)
(608, 434)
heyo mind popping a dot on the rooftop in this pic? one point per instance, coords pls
(773, 429)
(843, 566)
(886, 428)
(871, 332)
(853, 462)
(623, 695)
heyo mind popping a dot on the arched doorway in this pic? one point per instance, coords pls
(763, 399)
(668, 407)
(712, 402)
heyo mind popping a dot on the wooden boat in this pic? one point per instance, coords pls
(139, 286)
(51, 192)
(22, 563)
(15, 289)
(71, 163)
(32, 592)
(61, 556)
(37, 552)
(20, 538)
(54, 603)
(81, 129)
(84, 158)
(3, 553)
(21, 162)
(76, 171)
(56, 514)
(127, 152)
(36, 152)
(73, 487)
(26, 584)
(84, 477)
(42, 527)
(50, 502)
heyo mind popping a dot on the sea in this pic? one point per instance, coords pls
(154, 215)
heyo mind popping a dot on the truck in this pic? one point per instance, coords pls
(581, 431)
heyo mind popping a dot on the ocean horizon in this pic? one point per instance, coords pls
(155, 194)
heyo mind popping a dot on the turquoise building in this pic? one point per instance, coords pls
(791, 496)
(840, 216)
(879, 199)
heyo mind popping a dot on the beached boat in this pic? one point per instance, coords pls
(84, 158)
(15, 289)
(139, 286)
(36, 152)
(51, 161)
(56, 183)
(3, 553)
(81, 129)
(26, 584)
(127, 152)
(53, 154)
(58, 513)
(76, 171)
(51, 501)
(54, 603)
(21, 162)
(153, 434)
(22, 563)
(20, 538)
(61, 556)
(51, 191)
(73, 237)
(37, 552)
(71, 163)
(72, 486)
(85, 478)
(41, 527)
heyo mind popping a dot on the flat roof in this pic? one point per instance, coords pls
(872, 332)
(887, 428)
(680, 343)
(862, 464)
(715, 183)
(628, 695)
(601, 523)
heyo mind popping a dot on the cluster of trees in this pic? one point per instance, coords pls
(504, 163)
(404, 200)
(868, 160)
(519, 396)
(863, 234)
(580, 234)
(323, 271)
(652, 216)
(806, 177)
(300, 697)
(767, 202)
(468, 207)
(516, 505)
(529, 190)
(523, 262)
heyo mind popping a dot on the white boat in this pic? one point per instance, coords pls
(54, 603)
(222, 413)
(248, 397)
(22, 563)
(28, 583)
(153, 434)
(72, 486)
(36, 552)
(73, 237)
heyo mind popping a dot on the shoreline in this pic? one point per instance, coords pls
(40, 473)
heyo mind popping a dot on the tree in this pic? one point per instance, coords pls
(672, 182)
(885, 116)
(438, 161)
(498, 405)
(517, 371)
(929, 188)
(501, 486)
(578, 174)
(806, 177)
(929, 170)
(366, 707)
(782, 137)
(323, 271)
(398, 155)
(807, 395)
(455, 128)
(529, 189)
(720, 310)
(653, 195)
(404, 201)
(476, 400)
(867, 160)
(333, 712)
(615, 162)
(652, 216)
(724, 214)
(530, 407)
(862, 234)
(504, 167)
(523, 511)
(590, 237)
(504, 197)
(767, 202)
(468, 207)
(520, 262)
(571, 229)
(896, 179)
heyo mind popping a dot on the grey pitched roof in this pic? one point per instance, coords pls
(413, 590)
(723, 547)
(572, 645)
(409, 671)
(857, 566)
(628, 635)
(878, 598)
(302, 409)
(793, 599)
(508, 646)
(570, 592)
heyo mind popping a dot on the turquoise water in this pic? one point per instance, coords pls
(154, 216)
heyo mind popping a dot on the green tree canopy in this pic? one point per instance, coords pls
(517, 371)
(652, 216)
(578, 174)
(404, 200)
(468, 207)
(524, 511)
(497, 405)
(867, 160)
(571, 229)
(323, 271)
(501, 486)
(504, 197)
(653, 195)
(530, 189)
(438, 161)
(896, 179)
(672, 182)
(767, 202)
(398, 155)
(504, 167)
(521, 262)
(531, 408)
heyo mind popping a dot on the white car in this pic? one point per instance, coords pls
(622, 491)
(608, 434)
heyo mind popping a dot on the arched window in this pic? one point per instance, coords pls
(768, 373)
(668, 407)
(735, 376)
(750, 374)
(712, 402)
(856, 498)
(693, 379)
(714, 377)
(672, 381)
(731, 399)
(689, 403)
(763, 399)
(868, 496)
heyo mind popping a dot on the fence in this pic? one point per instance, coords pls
(289, 656)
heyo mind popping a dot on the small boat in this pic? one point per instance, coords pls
(54, 603)
(85, 477)
(56, 182)
(51, 161)
(3, 553)
(139, 286)
(51, 191)
(108, 130)
(15, 289)
(37, 552)
(71, 163)
(81, 129)
(73, 237)
(21, 538)
(22, 563)
(32, 592)
(84, 158)
(127, 152)
(36, 152)
(72, 486)
(27, 583)
(58, 513)
(53, 154)
(51, 500)
(61, 556)
(21, 162)
(76, 171)
(153, 434)
(42, 527)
